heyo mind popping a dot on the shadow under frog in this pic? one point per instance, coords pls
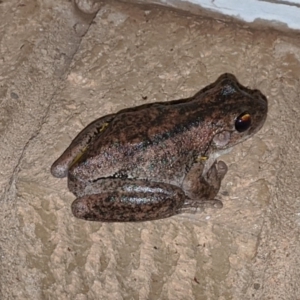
(158, 160)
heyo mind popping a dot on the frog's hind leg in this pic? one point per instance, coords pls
(79, 146)
(112, 200)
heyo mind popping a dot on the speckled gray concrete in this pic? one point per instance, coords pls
(55, 79)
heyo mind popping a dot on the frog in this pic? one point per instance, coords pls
(157, 160)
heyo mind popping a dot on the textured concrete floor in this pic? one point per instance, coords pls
(60, 70)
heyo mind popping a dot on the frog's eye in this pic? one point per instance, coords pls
(243, 122)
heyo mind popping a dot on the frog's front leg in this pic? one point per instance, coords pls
(202, 189)
(79, 146)
(115, 200)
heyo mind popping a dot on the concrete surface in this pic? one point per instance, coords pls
(61, 69)
(275, 13)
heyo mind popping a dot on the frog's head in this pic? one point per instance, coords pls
(240, 113)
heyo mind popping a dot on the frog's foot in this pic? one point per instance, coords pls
(193, 206)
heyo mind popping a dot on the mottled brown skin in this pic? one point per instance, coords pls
(150, 162)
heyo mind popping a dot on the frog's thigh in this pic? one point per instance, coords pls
(135, 200)
(79, 145)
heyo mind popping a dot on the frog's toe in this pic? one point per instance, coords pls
(194, 206)
(217, 203)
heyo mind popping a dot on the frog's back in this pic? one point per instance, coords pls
(149, 126)
(154, 143)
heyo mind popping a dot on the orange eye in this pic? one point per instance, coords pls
(243, 122)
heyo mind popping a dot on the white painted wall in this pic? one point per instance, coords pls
(286, 12)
